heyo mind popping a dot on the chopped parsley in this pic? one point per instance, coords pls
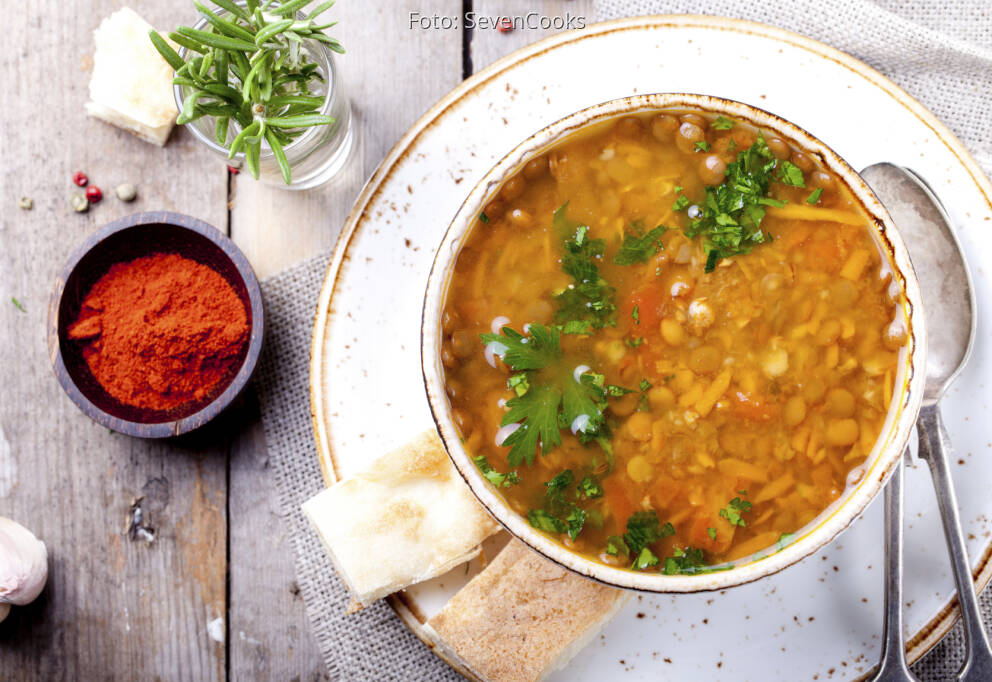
(730, 216)
(644, 385)
(591, 488)
(615, 546)
(588, 300)
(483, 218)
(643, 529)
(17, 304)
(685, 562)
(638, 247)
(814, 196)
(790, 174)
(548, 396)
(732, 512)
(681, 203)
(635, 314)
(496, 478)
(634, 342)
(560, 513)
(712, 533)
(722, 123)
(702, 146)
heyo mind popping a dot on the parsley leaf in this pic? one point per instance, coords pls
(634, 342)
(645, 559)
(560, 513)
(591, 488)
(589, 299)
(712, 533)
(536, 351)
(644, 528)
(731, 214)
(496, 478)
(484, 218)
(635, 314)
(537, 409)
(17, 304)
(638, 248)
(790, 174)
(722, 123)
(732, 512)
(685, 562)
(681, 203)
(644, 385)
(814, 196)
(702, 146)
(615, 546)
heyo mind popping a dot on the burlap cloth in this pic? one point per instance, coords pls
(937, 51)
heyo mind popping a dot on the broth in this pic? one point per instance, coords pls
(670, 340)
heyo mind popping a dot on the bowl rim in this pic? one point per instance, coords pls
(209, 411)
(830, 522)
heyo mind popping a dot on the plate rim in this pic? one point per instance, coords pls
(920, 642)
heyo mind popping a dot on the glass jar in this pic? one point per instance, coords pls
(315, 156)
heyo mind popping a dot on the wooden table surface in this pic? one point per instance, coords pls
(213, 597)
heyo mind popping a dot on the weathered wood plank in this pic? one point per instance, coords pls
(114, 608)
(489, 44)
(392, 75)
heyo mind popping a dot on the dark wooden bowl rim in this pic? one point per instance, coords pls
(179, 426)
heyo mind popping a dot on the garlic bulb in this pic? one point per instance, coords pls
(23, 565)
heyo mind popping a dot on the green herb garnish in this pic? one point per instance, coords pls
(645, 559)
(644, 528)
(17, 304)
(635, 314)
(732, 512)
(681, 203)
(250, 68)
(560, 513)
(722, 123)
(685, 562)
(483, 218)
(496, 478)
(702, 146)
(589, 299)
(712, 533)
(638, 247)
(814, 196)
(790, 174)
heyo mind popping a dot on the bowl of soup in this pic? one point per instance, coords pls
(674, 343)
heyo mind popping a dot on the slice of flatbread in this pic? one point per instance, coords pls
(407, 518)
(523, 617)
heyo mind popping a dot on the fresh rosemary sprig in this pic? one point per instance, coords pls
(249, 67)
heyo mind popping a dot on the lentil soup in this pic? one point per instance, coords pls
(672, 340)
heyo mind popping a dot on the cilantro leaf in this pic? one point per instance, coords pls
(638, 248)
(537, 409)
(496, 478)
(681, 203)
(591, 488)
(732, 512)
(635, 314)
(542, 520)
(483, 218)
(722, 123)
(814, 196)
(702, 146)
(712, 533)
(790, 174)
(560, 513)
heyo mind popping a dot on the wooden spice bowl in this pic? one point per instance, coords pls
(134, 236)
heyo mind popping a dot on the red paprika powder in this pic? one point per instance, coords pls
(161, 331)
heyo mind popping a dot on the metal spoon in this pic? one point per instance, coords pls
(949, 300)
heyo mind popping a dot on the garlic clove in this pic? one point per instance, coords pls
(23, 564)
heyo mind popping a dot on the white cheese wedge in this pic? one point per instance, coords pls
(131, 86)
(409, 517)
(522, 618)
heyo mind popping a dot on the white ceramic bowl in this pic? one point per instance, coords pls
(907, 394)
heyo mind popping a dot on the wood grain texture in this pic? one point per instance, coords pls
(489, 45)
(114, 608)
(392, 74)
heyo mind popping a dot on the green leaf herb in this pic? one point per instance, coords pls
(732, 512)
(589, 299)
(790, 174)
(250, 71)
(17, 304)
(685, 562)
(814, 196)
(638, 247)
(702, 146)
(560, 513)
(712, 533)
(722, 123)
(496, 478)
(644, 528)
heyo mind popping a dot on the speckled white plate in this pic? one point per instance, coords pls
(819, 619)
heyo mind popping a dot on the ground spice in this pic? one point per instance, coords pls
(161, 331)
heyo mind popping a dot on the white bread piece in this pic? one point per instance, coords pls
(408, 518)
(523, 617)
(131, 85)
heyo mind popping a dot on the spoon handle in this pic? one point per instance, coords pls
(935, 447)
(893, 666)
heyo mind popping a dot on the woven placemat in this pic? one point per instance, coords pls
(372, 644)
